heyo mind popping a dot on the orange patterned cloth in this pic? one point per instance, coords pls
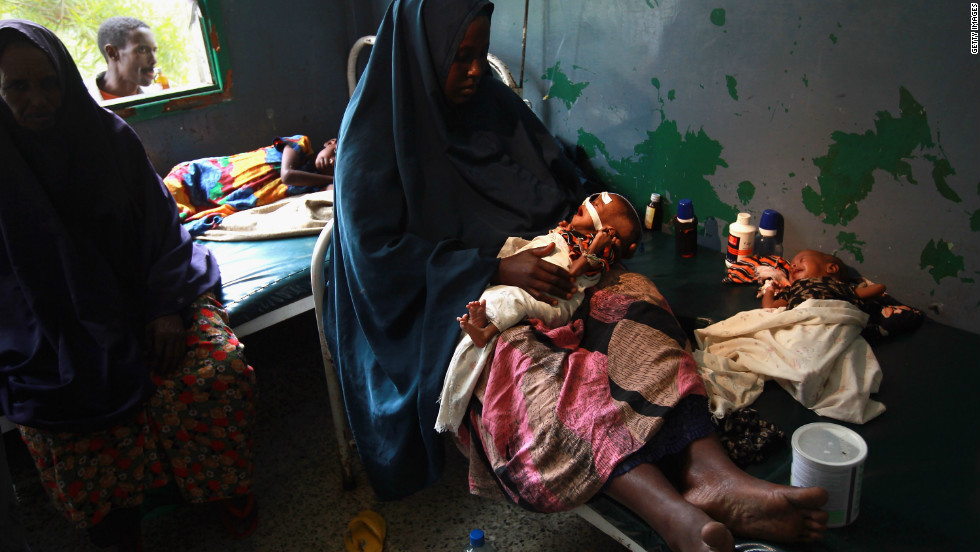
(195, 431)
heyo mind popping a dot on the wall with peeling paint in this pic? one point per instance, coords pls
(858, 121)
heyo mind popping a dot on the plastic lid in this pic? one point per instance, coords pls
(770, 220)
(654, 197)
(830, 445)
(685, 209)
(743, 218)
(476, 537)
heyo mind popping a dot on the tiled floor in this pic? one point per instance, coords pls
(301, 504)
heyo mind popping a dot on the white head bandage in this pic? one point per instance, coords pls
(592, 212)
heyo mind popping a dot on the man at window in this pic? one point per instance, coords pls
(130, 51)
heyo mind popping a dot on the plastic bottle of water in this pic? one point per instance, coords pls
(769, 242)
(478, 543)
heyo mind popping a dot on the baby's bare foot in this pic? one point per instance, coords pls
(478, 312)
(476, 325)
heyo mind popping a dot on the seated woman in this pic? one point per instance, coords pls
(421, 212)
(209, 189)
(116, 360)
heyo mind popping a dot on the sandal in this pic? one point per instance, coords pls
(365, 533)
(240, 522)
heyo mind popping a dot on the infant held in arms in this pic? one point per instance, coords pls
(605, 229)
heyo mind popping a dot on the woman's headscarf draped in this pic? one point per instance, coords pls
(92, 251)
(425, 197)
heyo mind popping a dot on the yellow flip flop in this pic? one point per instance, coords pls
(365, 533)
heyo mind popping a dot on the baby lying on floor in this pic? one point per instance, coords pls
(816, 275)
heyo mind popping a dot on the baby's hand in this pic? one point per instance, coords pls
(603, 238)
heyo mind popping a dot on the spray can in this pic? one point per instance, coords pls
(653, 220)
(685, 229)
(769, 242)
(741, 239)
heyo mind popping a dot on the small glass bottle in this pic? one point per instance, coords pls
(654, 214)
(769, 242)
(686, 229)
(478, 542)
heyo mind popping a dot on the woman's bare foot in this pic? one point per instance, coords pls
(748, 506)
(476, 325)
(683, 526)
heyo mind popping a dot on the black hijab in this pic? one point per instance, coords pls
(92, 251)
(425, 197)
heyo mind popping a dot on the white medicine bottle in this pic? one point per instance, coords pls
(741, 239)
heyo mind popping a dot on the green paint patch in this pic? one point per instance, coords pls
(746, 191)
(561, 87)
(848, 242)
(975, 221)
(791, 175)
(833, 38)
(718, 16)
(731, 83)
(806, 83)
(671, 95)
(666, 161)
(847, 170)
(655, 82)
(940, 170)
(941, 260)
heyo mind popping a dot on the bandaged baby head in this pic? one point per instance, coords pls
(596, 222)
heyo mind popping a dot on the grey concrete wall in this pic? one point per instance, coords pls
(858, 121)
(288, 67)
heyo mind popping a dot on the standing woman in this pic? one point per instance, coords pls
(116, 360)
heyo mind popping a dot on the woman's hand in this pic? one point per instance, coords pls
(164, 343)
(527, 270)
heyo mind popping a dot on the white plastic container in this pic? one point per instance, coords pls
(830, 456)
(741, 239)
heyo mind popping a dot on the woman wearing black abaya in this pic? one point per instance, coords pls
(438, 164)
(116, 360)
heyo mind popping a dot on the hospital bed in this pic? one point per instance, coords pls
(921, 483)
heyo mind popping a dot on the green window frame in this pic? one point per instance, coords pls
(140, 107)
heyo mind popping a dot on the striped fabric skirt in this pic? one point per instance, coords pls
(562, 410)
(194, 432)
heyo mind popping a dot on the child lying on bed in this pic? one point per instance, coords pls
(209, 189)
(605, 228)
(816, 275)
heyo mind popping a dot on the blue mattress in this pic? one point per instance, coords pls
(258, 277)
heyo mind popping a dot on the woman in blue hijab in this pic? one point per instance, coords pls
(114, 352)
(437, 164)
(426, 193)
